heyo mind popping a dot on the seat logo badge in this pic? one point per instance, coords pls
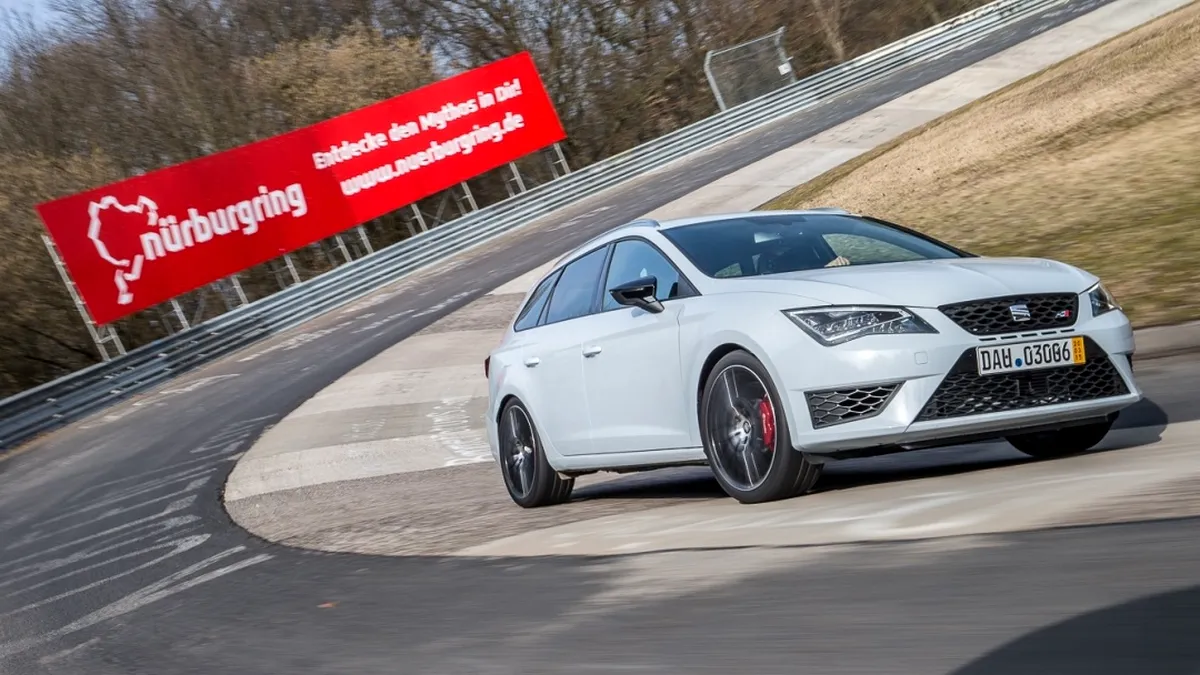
(1020, 312)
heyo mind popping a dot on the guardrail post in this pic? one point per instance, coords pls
(291, 268)
(558, 162)
(366, 241)
(468, 198)
(341, 246)
(417, 218)
(238, 291)
(202, 304)
(173, 312)
(101, 335)
(288, 269)
(516, 179)
(179, 314)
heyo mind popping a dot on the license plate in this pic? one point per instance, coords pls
(1023, 356)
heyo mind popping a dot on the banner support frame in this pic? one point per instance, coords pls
(101, 335)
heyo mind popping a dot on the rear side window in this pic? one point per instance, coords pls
(537, 300)
(576, 287)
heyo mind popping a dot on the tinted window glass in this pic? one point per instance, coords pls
(533, 309)
(856, 249)
(742, 247)
(576, 287)
(633, 259)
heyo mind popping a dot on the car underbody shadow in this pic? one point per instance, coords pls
(1139, 425)
(695, 482)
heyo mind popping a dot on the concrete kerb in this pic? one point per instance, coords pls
(410, 474)
(1163, 341)
(394, 416)
(422, 418)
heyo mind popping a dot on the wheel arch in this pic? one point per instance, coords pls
(503, 404)
(718, 353)
(725, 345)
(552, 455)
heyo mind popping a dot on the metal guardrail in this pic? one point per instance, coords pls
(74, 396)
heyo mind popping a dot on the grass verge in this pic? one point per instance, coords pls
(1094, 161)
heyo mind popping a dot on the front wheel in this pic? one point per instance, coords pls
(1062, 442)
(530, 479)
(746, 436)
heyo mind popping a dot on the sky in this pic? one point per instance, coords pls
(35, 7)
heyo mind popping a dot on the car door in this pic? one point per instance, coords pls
(633, 373)
(553, 355)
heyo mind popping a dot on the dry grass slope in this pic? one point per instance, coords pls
(1095, 161)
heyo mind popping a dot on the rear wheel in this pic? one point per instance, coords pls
(1062, 442)
(746, 436)
(530, 479)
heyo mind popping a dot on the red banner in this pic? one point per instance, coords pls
(142, 241)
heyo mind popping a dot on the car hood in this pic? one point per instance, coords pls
(922, 283)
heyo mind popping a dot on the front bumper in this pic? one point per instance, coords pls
(900, 406)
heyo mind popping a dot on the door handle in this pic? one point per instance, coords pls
(532, 361)
(589, 352)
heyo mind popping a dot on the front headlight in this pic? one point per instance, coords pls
(1102, 301)
(836, 325)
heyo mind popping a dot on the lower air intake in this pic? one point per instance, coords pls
(836, 406)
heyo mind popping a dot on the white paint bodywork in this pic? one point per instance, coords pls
(634, 401)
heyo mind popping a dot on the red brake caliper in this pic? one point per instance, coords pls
(767, 414)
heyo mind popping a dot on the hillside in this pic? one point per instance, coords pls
(1095, 161)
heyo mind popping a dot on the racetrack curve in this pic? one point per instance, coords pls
(117, 557)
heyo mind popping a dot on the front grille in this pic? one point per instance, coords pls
(965, 392)
(994, 316)
(835, 406)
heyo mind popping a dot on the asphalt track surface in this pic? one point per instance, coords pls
(200, 596)
(116, 556)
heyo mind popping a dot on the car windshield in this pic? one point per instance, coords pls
(758, 245)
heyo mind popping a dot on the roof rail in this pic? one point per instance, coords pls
(643, 222)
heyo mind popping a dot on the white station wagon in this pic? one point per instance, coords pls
(766, 344)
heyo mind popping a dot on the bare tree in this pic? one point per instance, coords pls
(123, 86)
(829, 15)
(117, 87)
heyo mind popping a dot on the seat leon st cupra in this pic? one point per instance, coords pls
(767, 344)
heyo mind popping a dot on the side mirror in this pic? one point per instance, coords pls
(639, 293)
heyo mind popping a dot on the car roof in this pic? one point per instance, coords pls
(643, 225)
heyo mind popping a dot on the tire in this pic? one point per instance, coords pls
(528, 476)
(1062, 442)
(738, 443)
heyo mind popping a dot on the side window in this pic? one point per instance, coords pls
(533, 309)
(633, 259)
(860, 250)
(576, 287)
